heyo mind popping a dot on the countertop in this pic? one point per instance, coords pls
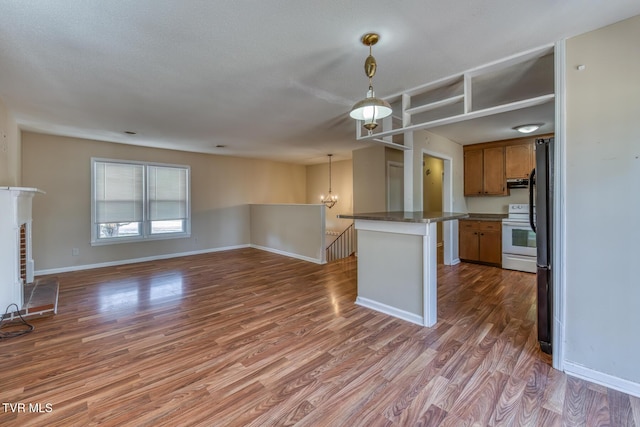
(417, 217)
(486, 217)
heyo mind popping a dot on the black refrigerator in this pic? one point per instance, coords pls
(541, 219)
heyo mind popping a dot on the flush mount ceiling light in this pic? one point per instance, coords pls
(371, 108)
(331, 199)
(528, 128)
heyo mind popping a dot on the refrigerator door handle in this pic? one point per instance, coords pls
(532, 176)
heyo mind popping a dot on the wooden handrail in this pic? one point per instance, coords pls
(343, 246)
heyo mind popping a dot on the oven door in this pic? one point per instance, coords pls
(518, 238)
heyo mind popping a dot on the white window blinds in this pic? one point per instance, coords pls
(119, 194)
(167, 193)
(136, 201)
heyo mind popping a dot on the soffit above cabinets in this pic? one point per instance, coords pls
(479, 104)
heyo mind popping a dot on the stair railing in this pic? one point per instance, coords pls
(344, 245)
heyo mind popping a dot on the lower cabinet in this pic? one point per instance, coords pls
(481, 241)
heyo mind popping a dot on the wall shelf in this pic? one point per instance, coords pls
(517, 82)
(462, 117)
(434, 105)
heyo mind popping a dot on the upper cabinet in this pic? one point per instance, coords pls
(484, 172)
(489, 165)
(473, 173)
(519, 160)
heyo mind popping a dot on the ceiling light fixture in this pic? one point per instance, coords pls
(528, 128)
(331, 199)
(371, 108)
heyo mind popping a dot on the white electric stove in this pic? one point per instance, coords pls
(518, 240)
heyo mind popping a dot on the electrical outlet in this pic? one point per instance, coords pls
(75, 251)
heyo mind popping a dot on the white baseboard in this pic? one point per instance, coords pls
(391, 311)
(134, 260)
(289, 254)
(168, 256)
(616, 383)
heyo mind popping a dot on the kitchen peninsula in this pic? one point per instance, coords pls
(397, 262)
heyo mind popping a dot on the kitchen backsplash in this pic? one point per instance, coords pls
(497, 204)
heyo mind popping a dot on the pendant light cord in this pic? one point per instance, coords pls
(330, 173)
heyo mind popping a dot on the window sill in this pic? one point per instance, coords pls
(137, 239)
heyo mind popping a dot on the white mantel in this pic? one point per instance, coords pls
(15, 212)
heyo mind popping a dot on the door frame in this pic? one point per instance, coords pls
(449, 228)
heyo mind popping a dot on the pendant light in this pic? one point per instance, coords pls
(331, 199)
(370, 108)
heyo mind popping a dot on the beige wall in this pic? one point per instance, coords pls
(370, 177)
(369, 171)
(602, 200)
(432, 184)
(9, 149)
(402, 255)
(341, 184)
(497, 204)
(292, 230)
(221, 190)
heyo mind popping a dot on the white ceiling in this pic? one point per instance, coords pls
(271, 79)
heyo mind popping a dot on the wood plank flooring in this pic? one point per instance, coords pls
(249, 338)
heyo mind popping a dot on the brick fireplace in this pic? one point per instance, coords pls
(18, 289)
(23, 253)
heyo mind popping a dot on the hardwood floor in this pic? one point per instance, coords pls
(249, 338)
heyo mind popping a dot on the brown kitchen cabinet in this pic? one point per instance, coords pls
(519, 160)
(484, 172)
(488, 165)
(480, 241)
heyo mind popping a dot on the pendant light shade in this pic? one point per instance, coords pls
(370, 109)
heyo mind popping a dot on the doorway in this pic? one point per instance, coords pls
(447, 232)
(432, 194)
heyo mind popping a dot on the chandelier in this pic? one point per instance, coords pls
(331, 199)
(370, 108)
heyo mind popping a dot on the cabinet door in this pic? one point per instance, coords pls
(493, 171)
(518, 160)
(490, 242)
(490, 247)
(473, 178)
(468, 241)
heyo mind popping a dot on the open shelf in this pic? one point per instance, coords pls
(517, 82)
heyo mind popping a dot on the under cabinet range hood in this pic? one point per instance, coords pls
(517, 183)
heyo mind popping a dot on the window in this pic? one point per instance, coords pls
(133, 201)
